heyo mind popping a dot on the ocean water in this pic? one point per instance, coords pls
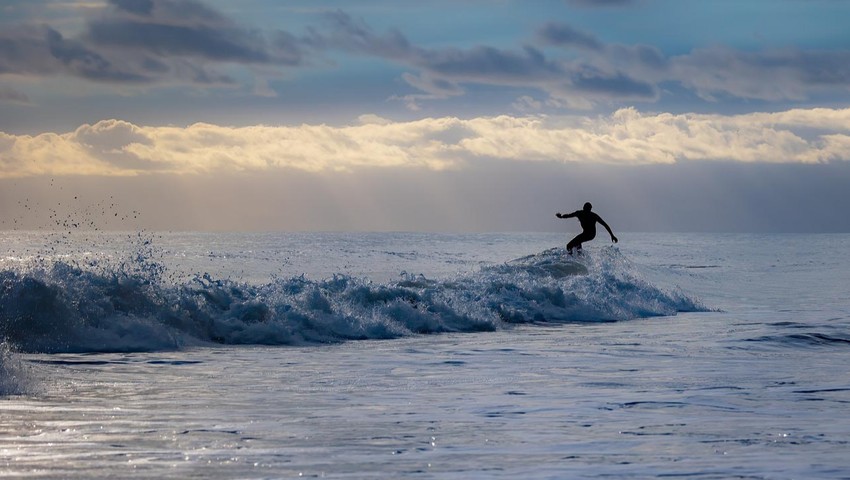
(187, 355)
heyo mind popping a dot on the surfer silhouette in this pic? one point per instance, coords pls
(588, 222)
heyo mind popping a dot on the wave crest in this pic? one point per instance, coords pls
(63, 307)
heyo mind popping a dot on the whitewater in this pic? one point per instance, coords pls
(414, 355)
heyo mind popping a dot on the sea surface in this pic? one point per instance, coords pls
(413, 355)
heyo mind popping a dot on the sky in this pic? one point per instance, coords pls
(450, 116)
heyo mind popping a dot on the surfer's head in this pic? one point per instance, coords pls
(587, 207)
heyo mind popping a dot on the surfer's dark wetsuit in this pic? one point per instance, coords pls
(588, 222)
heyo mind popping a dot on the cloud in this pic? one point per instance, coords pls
(167, 28)
(147, 42)
(767, 75)
(186, 42)
(626, 137)
(443, 71)
(433, 88)
(9, 94)
(594, 71)
(563, 35)
(372, 119)
(526, 103)
(80, 60)
(344, 32)
(594, 83)
(636, 71)
(24, 50)
(480, 63)
(108, 141)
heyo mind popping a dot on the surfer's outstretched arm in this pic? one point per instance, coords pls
(602, 222)
(565, 215)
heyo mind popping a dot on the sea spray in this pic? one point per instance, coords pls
(15, 375)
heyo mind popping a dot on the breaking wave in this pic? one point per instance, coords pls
(65, 307)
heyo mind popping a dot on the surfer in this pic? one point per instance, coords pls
(588, 221)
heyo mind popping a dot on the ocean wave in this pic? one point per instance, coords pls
(65, 307)
(803, 340)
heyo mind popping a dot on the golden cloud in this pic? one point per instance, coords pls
(627, 136)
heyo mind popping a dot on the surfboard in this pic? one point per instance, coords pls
(554, 262)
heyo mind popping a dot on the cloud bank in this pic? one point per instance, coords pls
(626, 137)
(145, 43)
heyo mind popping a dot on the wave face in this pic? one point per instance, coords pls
(64, 307)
